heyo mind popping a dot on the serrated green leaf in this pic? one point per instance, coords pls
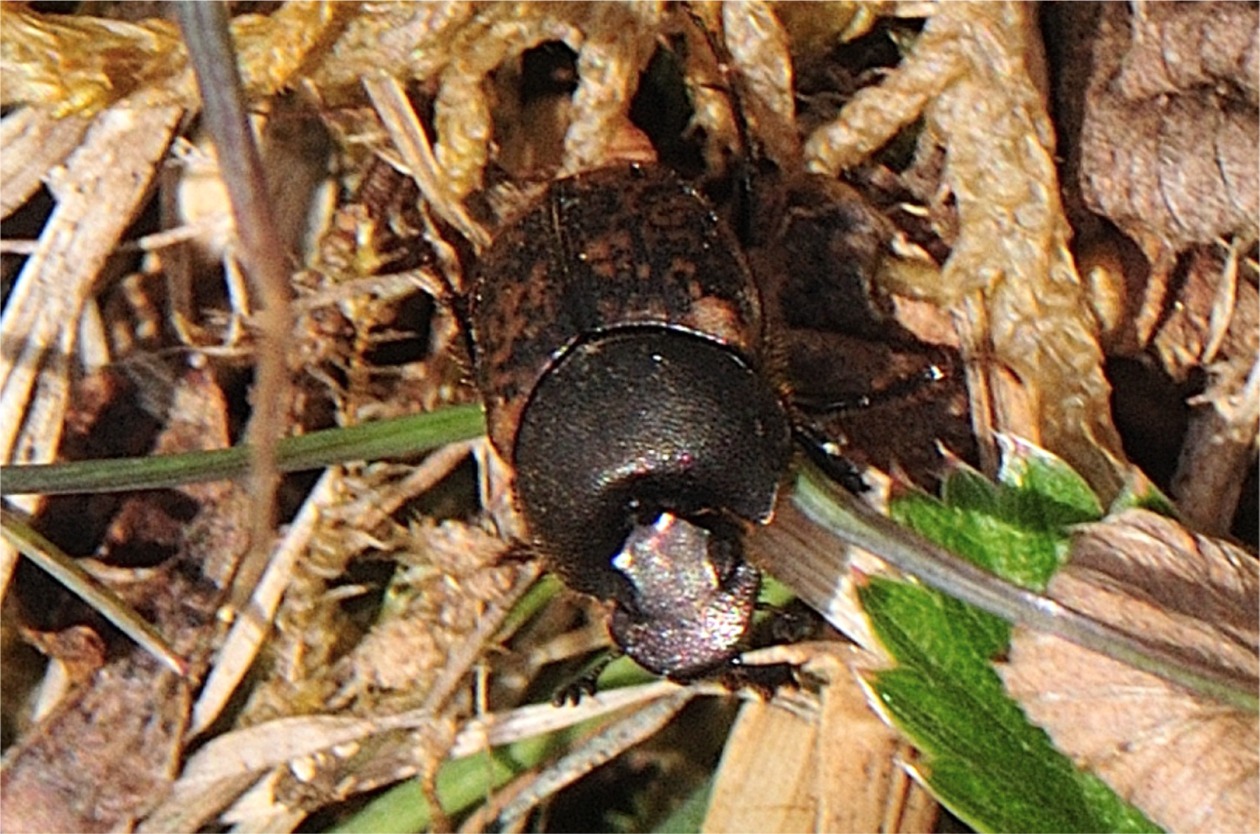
(1015, 528)
(983, 759)
(981, 756)
(1066, 802)
(1045, 488)
(968, 488)
(931, 630)
(994, 536)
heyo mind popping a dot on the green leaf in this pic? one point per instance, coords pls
(1139, 493)
(933, 631)
(1064, 802)
(1015, 528)
(981, 756)
(398, 437)
(1055, 494)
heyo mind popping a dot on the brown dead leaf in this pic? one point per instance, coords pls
(1166, 155)
(1169, 143)
(109, 751)
(1189, 762)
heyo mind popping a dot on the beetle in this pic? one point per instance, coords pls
(624, 354)
(622, 366)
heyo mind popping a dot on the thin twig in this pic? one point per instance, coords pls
(205, 27)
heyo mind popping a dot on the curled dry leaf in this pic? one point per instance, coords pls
(1168, 152)
(1190, 763)
(1169, 145)
(758, 41)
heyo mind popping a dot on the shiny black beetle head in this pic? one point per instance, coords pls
(642, 456)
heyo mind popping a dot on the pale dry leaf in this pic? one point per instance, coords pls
(1013, 243)
(228, 764)
(1187, 761)
(611, 741)
(764, 782)
(246, 637)
(98, 192)
(408, 134)
(533, 720)
(80, 64)
(417, 36)
(836, 768)
(33, 141)
(613, 42)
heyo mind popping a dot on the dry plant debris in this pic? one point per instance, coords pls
(974, 79)
(68, 772)
(1190, 763)
(1169, 139)
(829, 764)
(1163, 106)
(95, 104)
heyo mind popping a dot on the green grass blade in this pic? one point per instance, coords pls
(368, 441)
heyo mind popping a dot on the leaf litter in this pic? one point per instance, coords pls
(1007, 270)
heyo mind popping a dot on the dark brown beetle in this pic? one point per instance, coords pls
(622, 366)
(623, 352)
